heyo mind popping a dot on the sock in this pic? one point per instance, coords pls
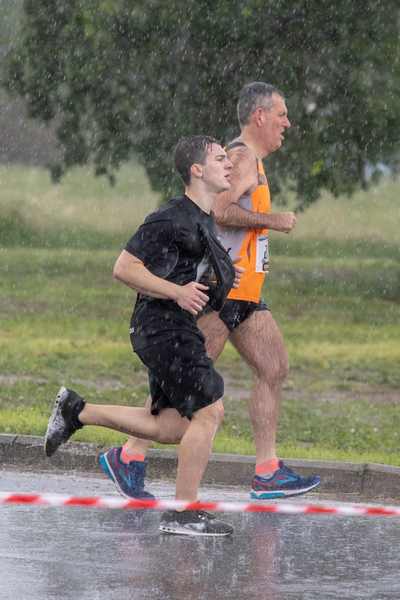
(128, 456)
(268, 467)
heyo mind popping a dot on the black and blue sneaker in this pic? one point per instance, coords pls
(282, 484)
(128, 478)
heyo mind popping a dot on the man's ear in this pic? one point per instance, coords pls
(259, 116)
(196, 170)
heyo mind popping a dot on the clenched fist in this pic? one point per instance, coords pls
(192, 297)
(283, 221)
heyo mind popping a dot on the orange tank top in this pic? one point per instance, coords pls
(250, 246)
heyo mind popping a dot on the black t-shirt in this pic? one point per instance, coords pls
(170, 245)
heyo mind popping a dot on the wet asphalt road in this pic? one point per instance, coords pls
(90, 554)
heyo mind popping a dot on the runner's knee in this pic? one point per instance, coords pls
(219, 412)
(212, 415)
(274, 372)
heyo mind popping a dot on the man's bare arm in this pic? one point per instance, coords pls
(131, 271)
(244, 178)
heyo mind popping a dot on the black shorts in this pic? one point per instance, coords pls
(234, 312)
(181, 375)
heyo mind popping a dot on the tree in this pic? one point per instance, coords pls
(123, 78)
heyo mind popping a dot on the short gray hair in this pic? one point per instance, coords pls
(253, 95)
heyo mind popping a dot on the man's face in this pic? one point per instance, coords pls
(274, 121)
(216, 169)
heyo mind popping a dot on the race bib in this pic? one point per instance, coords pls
(262, 254)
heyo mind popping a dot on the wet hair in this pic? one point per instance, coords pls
(253, 95)
(190, 150)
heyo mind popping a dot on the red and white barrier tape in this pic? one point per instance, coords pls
(252, 507)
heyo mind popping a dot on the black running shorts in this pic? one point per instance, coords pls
(234, 312)
(181, 375)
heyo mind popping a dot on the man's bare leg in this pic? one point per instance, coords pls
(195, 449)
(259, 341)
(135, 446)
(216, 333)
(168, 427)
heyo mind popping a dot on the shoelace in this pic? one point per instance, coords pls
(139, 479)
(286, 471)
(205, 515)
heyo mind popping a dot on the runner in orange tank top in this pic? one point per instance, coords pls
(244, 216)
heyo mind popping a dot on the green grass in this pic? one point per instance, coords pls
(369, 216)
(82, 211)
(334, 288)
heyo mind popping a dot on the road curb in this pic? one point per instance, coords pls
(367, 480)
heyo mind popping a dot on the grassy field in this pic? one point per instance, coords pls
(83, 211)
(334, 288)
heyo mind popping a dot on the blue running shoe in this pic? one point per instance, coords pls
(128, 478)
(283, 483)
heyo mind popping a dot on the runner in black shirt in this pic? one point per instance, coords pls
(177, 265)
(171, 245)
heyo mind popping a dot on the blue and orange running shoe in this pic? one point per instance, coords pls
(283, 483)
(128, 478)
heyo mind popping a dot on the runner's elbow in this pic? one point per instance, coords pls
(119, 273)
(116, 272)
(222, 216)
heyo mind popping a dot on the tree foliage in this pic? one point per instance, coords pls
(124, 78)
